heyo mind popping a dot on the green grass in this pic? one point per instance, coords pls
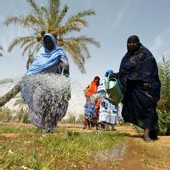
(62, 150)
(16, 129)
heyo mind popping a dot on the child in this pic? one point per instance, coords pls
(103, 113)
(89, 110)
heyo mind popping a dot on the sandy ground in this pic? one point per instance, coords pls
(138, 155)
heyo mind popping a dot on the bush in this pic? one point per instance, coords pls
(80, 119)
(70, 119)
(5, 114)
(164, 122)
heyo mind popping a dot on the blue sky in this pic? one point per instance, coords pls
(114, 22)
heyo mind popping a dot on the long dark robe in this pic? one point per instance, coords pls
(138, 75)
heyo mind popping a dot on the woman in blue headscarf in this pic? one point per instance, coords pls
(46, 86)
(138, 74)
(50, 58)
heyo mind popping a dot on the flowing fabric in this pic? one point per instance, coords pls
(47, 96)
(102, 86)
(92, 88)
(46, 59)
(108, 113)
(89, 109)
(46, 93)
(138, 75)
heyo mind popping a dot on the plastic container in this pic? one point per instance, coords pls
(113, 90)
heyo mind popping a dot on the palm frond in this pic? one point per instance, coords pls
(75, 22)
(30, 60)
(27, 40)
(46, 13)
(35, 21)
(84, 13)
(28, 47)
(19, 40)
(61, 15)
(36, 10)
(54, 9)
(85, 39)
(16, 20)
(76, 52)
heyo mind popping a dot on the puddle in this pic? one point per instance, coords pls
(116, 152)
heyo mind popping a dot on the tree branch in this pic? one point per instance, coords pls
(9, 95)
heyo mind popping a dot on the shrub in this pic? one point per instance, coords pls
(164, 122)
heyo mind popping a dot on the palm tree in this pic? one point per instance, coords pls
(1, 49)
(43, 19)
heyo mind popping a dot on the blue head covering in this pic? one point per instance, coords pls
(108, 73)
(45, 59)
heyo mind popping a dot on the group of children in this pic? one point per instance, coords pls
(100, 112)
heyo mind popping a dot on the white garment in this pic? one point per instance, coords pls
(104, 112)
(102, 117)
(101, 86)
(109, 113)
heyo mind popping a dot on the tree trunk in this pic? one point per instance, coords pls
(9, 95)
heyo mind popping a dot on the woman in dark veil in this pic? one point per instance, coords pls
(138, 75)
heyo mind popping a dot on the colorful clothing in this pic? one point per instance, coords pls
(109, 113)
(90, 100)
(45, 89)
(105, 110)
(89, 109)
(46, 59)
(92, 89)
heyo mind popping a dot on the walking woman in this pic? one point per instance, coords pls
(46, 86)
(138, 74)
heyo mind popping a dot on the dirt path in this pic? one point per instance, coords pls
(139, 155)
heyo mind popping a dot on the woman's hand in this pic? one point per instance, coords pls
(64, 68)
(62, 64)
